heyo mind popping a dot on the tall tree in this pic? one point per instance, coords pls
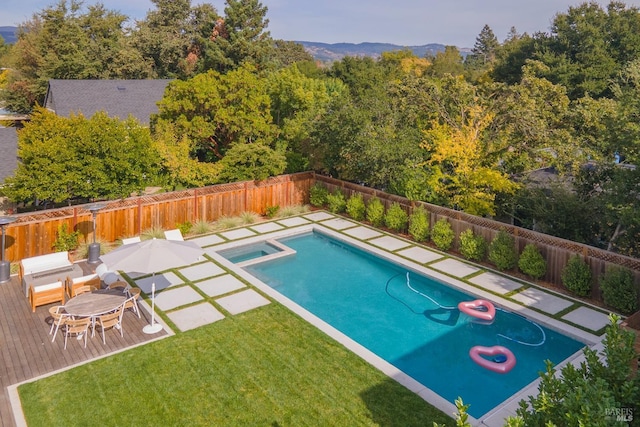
(448, 62)
(61, 42)
(240, 37)
(64, 158)
(486, 46)
(172, 36)
(215, 110)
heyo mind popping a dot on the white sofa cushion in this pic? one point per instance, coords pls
(48, 287)
(84, 278)
(39, 264)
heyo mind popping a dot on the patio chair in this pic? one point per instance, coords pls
(174, 234)
(78, 327)
(123, 286)
(110, 320)
(58, 317)
(132, 301)
(72, 284)
(107, 276)
(84, 289)
(130, 240)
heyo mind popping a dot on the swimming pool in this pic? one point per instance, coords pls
(403, 321)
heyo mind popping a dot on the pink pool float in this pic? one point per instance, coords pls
(480, 309)
(500, 359)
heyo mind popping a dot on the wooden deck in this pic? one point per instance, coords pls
(26, 350)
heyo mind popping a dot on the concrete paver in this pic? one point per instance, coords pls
(496, 283)
(363, 233)
(542, 300)
(587, 317)
(220, 285)
(195, 316)
(201, 271)
(293, 222)
(454, 267)
(237, 234)
(162, 281)
(339, 223)
(242, 301)
(267, 227)
(419, 255)
(319, 216)
(172, 298)
(213, 239)
(389, 243)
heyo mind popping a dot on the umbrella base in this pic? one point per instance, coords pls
(152, 329)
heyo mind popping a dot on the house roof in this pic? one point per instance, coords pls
(118, 98)
(8, 152)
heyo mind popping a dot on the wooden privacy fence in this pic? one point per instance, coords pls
(35, 233)
(556, 251)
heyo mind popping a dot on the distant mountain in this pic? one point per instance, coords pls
(336, 51)
(9, 34)
(324, 52)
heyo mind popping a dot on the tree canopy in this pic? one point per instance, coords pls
(463, 130)
(77, 157)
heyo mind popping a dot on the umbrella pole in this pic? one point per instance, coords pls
(154, 327)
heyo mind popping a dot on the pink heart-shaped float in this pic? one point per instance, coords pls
(502, 367)
(480, 309)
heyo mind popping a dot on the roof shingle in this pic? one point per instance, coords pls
(118, 98)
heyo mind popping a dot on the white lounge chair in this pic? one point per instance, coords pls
(129, 240)
(174, 234)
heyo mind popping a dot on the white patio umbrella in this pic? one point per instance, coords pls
(152, 256)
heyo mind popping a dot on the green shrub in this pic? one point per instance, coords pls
(442, 235)
(227, 222)
(185, 227)
(152, 233)
(248, 217)
(202, 227)
(336, 202)
(375, 212)
(531, 262)
(473, 247)
(66, 240)
(502, 251)
(291, 210)
(618, 290)
(318, 195)
(576, 276)
(396, 218)
(419, 224)
(271, 211)
(356, 207)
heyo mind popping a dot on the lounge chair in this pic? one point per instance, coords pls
(130, 240)
(174, 234)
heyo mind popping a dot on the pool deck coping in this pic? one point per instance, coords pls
(494, 417)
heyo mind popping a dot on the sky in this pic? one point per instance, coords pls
(402, 22)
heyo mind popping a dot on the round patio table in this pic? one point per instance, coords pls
(95, 303)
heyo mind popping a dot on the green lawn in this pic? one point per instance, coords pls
(266, 367)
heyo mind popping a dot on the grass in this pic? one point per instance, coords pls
(266, 367)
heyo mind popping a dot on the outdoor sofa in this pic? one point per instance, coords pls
(41, 277)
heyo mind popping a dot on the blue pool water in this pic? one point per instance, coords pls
(369, 300)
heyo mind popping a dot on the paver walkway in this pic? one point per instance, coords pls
(203, 277)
